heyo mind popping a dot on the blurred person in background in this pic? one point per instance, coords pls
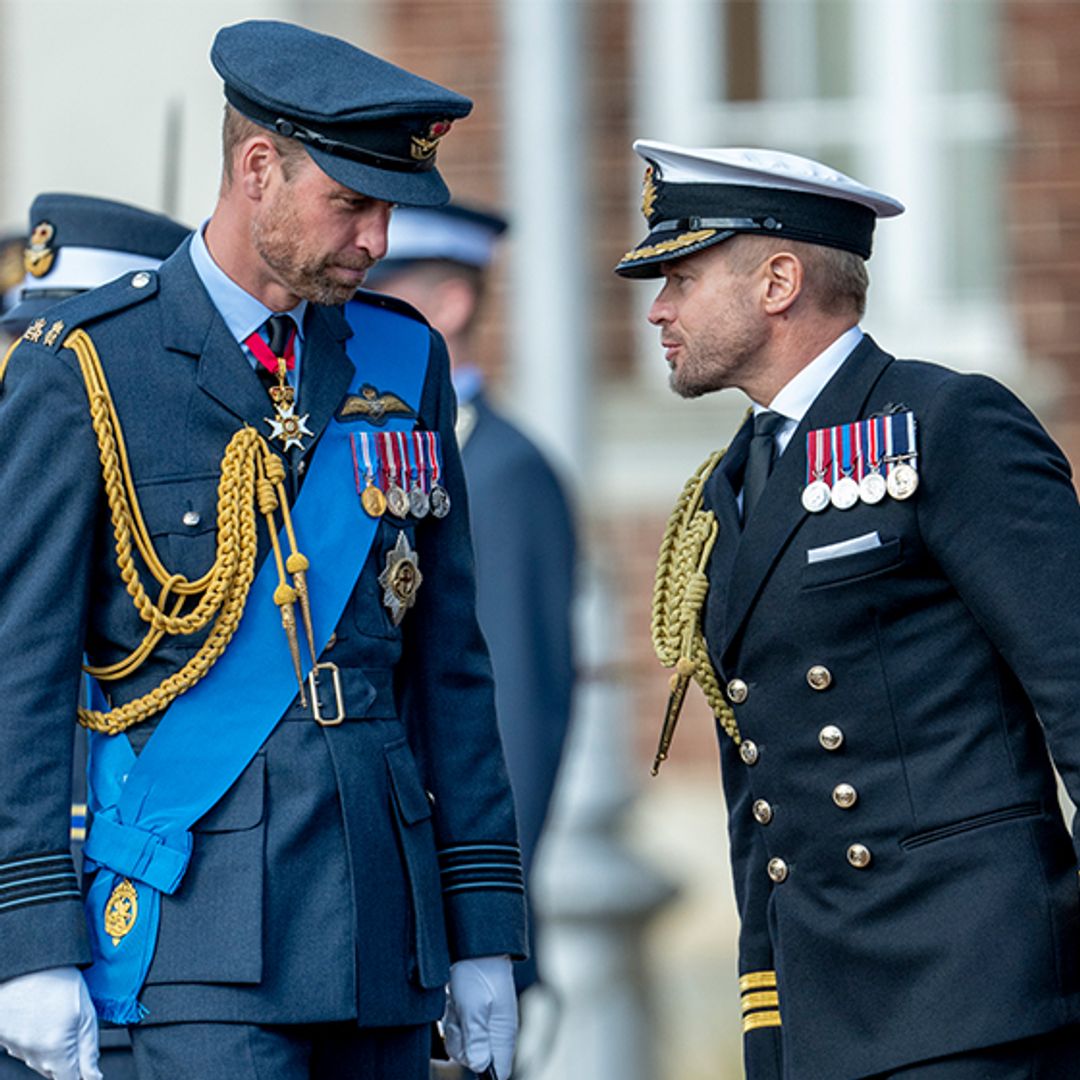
(878, 588)
(81, 242)
(523, 529)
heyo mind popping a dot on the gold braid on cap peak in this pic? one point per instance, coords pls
(252, 478)
(678, 598)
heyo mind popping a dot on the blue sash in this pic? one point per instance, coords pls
(144, 807)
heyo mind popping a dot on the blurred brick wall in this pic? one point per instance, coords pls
(459, 43)
(1041, 57)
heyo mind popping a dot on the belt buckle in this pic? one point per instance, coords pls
(339, 699)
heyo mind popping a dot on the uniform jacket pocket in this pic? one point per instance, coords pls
(181, 516)
(412, 816)
(212, 927)
(853, 567)
(977, 821)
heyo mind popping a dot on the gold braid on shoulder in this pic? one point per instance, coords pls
(252, 479)
(678, 598)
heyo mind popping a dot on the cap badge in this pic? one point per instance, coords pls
(648, 192)
(422, 149)
(38, 256)
(373, 406)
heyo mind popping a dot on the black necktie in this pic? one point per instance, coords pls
(277, 328)
(760, 458)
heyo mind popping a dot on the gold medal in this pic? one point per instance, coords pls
(373, 501)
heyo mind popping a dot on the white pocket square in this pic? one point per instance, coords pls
(866, 542)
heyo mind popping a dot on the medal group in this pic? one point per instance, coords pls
(862, 461)
(399, 472)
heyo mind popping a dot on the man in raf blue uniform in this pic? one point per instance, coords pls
(523, 529)
(876, 586)
(76, 243)
(293, 866)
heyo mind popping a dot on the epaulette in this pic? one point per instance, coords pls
(89, 307)
(390, 303)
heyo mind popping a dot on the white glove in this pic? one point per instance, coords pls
(480, 1023)
(47, 1020)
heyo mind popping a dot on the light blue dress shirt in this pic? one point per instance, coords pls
(243, 314)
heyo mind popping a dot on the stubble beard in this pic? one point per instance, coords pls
(721, 357)
(277, 237)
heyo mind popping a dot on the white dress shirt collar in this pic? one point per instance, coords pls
(798, 394)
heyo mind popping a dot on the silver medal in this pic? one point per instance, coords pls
(419, 504)
(440, 501)
(815, 496)
(845, 493)
(872, 488)
(397, 501)
(903, 480)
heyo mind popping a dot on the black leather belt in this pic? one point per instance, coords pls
(335, 694)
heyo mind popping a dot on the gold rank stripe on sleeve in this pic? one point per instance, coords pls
(757, 980)
(754, 1021)
(760, 1000)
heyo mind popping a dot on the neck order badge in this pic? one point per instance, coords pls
(140, 842)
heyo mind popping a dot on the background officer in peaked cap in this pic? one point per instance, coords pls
(523, 530)
(78, 242)
(359, 852)
(889, 667)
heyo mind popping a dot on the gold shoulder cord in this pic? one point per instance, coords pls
(678, 597)
(251, 476)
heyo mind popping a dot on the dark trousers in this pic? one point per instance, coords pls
(287, 1052)
(1054, 1056)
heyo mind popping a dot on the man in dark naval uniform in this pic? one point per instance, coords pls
(302, 846)
(877, 587)
(523, 528)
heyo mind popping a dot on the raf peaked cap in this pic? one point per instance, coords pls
(455, 233)
(694, 198)
(78, 242)
(367, 124)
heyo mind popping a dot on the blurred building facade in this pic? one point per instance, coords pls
(969, 111)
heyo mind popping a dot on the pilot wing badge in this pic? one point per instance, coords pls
(373, 406)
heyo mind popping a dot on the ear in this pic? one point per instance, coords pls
(783, 278)
(456, 304)
(256, 162)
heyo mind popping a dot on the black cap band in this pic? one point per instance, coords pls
(798, 215)
(291, 129)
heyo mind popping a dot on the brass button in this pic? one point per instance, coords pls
(331, 643)
(778, 870)
(748, 751)
(819, 677)
(762, 812)
(845, 796)
(140, 280)
(192, 518)
(859, 856)
(831, 737)
(737, 691)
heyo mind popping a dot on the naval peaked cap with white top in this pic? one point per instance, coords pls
(694, 198)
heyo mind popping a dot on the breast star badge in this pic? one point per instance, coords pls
(400, 579)
(288, 428)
